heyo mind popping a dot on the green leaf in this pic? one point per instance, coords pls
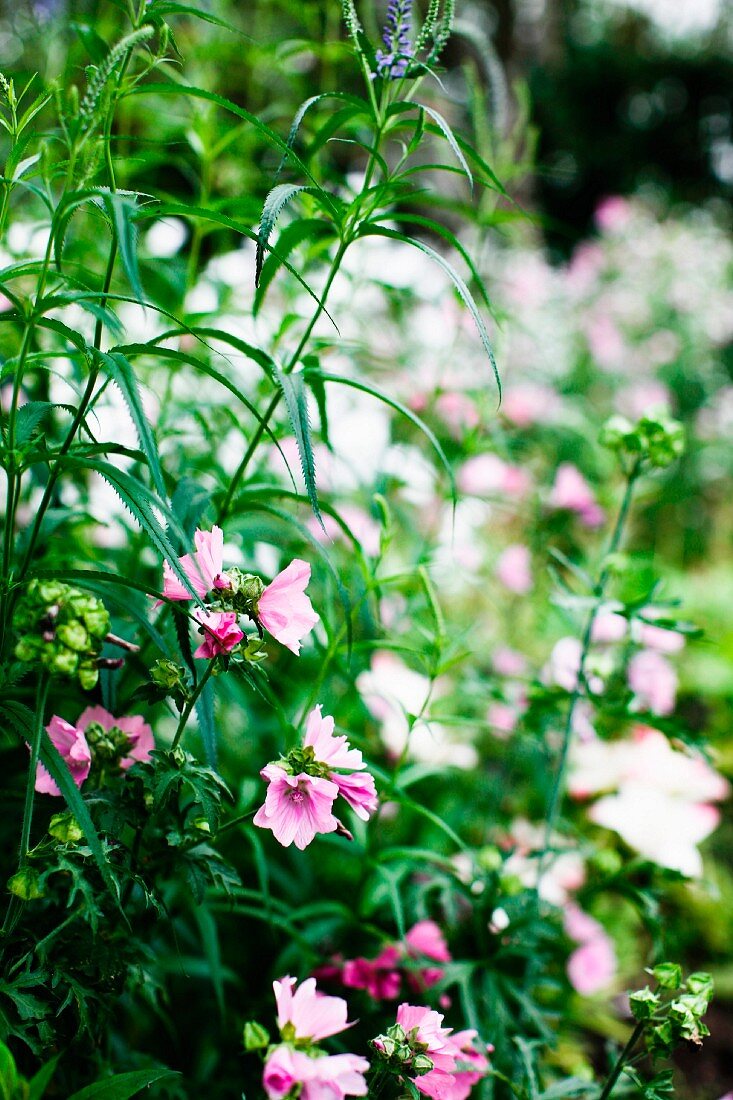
(59, 772)
(122, 374)
(278, 197)
(125, 1085)
(296, 400)
(38, 1084)
(373, 230)
(172, 7)
(445, 130)
(122, 210)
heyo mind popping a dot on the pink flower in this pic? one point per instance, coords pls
(139, 734)
(284, 609)
(379, 977)
(296, 807)
(529, 403)
(305, 1013)
(488, 475)
(458, 411)
(613, 214)
(592, 966)
(359, 791)
(327, 1077)
(476, 1064)
(202, 568)
(572, 493)
(330, 750)
(426, 938)
(74, 750)
(221, 633)
(514, 569)
(653, 681)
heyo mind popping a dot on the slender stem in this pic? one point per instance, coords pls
(25, 835)
(622, 1059)
(599, 590)
(186, 714)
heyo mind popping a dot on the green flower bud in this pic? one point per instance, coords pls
(255, 1036)
(618, 434)
(643, 1004)
(421, 1064)
(25, 884)
(166, 674)
(74, 635)
(88, 677)
(64, 827)
(669, 975)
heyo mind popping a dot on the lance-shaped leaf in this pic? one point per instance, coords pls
(296, 399)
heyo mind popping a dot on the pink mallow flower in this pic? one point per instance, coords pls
(326, 1077)
(592, 966)
(139, 734)
(296, 807)
(306, 1014)
(572, 493)
(380, 977)
(284, 609)
(471, 1064)
(334, 752)
(203, 569)
(221, 633)
(426, 1026)
(72, 745)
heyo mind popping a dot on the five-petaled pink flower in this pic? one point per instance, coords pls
(296, 807)
(203, 569)
(221, 633)
(72, 745)
(304, 1013)
(284, 609)
(334, 752)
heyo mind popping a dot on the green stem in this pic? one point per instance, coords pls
(599, 591)
(25, 835)
(622, 1059)
(186, 713)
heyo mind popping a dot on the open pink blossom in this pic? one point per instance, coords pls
(284, 609)
(139, 734)
(426, 1026)
(328, 749)
(307, 1014)
(592, 966)
(471, 1064)
(74, 750)
(327, 1077)
(221, 633)
(296, 807)
(359, 791)
(203, 568)
(426, 938)
(572, 493)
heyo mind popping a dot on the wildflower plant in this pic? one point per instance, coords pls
(196, 565)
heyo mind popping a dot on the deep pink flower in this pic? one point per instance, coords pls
(203, 568)
(311, 1015)
(221, 633)
(139, 733)
(296, 807)
(72, 745)
(426, 938)
(379, 977)
(284, 609)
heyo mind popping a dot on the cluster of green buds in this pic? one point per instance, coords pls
(401, 1051)
(673, 1013)
(240, 592)
(656, 440)
(62, 628)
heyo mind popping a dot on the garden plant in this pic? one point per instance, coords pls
(356, 735)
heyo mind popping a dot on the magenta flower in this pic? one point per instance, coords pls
(326, 1077)
(139, 734)
(379, 977)
(304, 1013)
(284, 609)
(203, 569)
(427, 940)
(221, 633)
(296, 807)
(72, 745)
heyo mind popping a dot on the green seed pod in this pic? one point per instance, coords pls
(64, 827)
(25, 884)
(255, 1036)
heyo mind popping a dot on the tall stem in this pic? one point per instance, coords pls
(187, 710)
(622, 1059)
(599, 591)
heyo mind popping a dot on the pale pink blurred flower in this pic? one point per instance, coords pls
(509, 662)
(609, 627)
(641, 398)
(202, 568)
(489, 475)
(312, 1015)
(564, 663)
(613, 214)
(363, 527)
(585, 266)
(139, 734)
(653, 681)
(74, 751)
(530, 403)
(514, 569)
(661, 639)
(296, 807)
(221, 633)
(592, 966)
(571, 492)
(284, 609)
(458, 411)
(605, 342)
(502, 718)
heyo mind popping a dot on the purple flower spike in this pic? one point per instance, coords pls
(392, 63)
